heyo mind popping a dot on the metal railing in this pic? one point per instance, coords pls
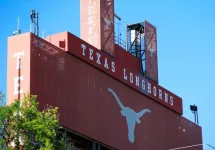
(120, 42)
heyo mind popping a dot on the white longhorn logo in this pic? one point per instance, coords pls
(107, 23)
(132, 117)
(151, 50)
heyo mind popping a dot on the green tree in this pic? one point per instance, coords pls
(23, 125)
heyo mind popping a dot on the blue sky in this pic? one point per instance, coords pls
(186, 43)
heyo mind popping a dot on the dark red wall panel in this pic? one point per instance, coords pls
(127, 75)
(80, 90)
(124, 67)
(126, 59)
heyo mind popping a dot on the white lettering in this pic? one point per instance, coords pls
(106, 63)
(137, 81)
(83, 48)
(98, 58)
(17, 85)
(113, 66)
(149, 88)
(166, 97)
(160, 94)
(143, 85)
(171, 100)
(17, 56)
(154, 91)
(125, 76)
(91, 54)
(131, 77)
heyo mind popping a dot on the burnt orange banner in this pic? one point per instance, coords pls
(90, 22)
(97, 24)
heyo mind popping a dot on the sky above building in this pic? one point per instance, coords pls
(186, 43)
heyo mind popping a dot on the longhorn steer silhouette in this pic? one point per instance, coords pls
(132, 117)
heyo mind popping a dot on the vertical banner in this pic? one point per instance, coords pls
(107, 26)
(90, 22)
(18, 67)
(151, 51)
(97, 24)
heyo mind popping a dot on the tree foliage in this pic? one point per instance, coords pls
(1, 98)
(27, 128)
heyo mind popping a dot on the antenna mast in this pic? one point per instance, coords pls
(35, 20)
(18, 31)
(43, 34)
(18, 26)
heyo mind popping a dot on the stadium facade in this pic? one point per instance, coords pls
(108, 94)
